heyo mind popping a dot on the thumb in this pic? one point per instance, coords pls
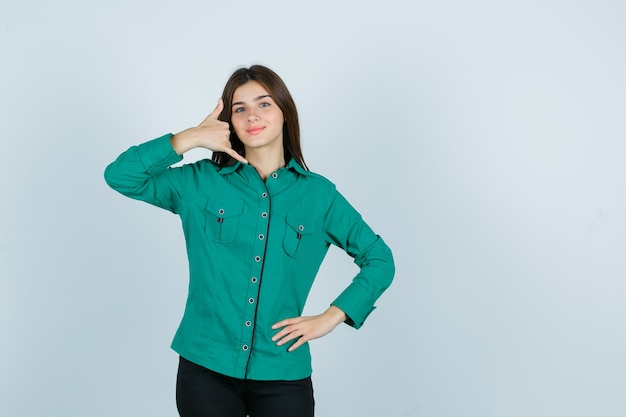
(216, 112)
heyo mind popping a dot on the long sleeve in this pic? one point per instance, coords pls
(346, 229)
(142, 173)
(254, 248)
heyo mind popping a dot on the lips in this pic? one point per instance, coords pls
(255, 130)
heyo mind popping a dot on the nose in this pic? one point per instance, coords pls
(252, 116)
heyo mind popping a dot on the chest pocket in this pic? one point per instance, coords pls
(222, 220)
(298, 240)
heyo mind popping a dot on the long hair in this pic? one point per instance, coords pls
(279, 92)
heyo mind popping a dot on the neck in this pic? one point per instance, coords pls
(265, 162)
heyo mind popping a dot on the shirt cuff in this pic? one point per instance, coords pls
(350, 301)
(157, 155)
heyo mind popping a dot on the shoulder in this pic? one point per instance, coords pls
(319, 179)
(310, 177)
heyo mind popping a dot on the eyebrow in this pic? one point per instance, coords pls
(256, 99)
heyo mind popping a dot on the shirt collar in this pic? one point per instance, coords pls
(292, 165)
(230, 168)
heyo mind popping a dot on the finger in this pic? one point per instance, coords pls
(283, 323)
(291, 336)
(284, 332)
(296, 345)
(235, 155)
(216, 111)
(279, 335)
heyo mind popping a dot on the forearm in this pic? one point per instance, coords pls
(375, 275)
(334, 315)
(345, 228)
(184, 141)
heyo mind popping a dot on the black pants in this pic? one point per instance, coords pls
(201, 392)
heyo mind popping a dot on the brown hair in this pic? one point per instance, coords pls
(279, 92)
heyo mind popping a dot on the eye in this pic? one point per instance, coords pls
(264, 104)
(238, 110)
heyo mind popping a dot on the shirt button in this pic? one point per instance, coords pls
(254, 280)
(264, 215)
(245, 347)
(274, 175)
(251, 300)
(248, 323)
(221, 211)
(261, 237)
(264, 195)
(257, 258)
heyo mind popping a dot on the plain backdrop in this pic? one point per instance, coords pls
(484, 140)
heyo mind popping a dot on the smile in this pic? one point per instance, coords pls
(255, 130)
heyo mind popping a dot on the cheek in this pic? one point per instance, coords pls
(277, 117)
(237, 126)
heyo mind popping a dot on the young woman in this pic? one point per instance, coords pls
(257, 225)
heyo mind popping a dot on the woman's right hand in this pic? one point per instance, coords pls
(212, 134)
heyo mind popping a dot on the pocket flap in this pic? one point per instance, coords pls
(224, 208)
(300, 225)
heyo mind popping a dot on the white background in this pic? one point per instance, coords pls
(484, 140)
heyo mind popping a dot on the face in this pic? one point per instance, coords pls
(256, 118)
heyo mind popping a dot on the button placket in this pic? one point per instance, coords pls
(255, 272)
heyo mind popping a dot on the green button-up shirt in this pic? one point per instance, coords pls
(254, 248)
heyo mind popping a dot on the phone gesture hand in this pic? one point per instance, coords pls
(214, 134)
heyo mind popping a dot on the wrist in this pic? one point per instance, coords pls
(335, 315)
(181, 142)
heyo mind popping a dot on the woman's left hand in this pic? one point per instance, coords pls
(307, 328)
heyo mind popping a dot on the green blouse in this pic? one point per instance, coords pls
(254, 249)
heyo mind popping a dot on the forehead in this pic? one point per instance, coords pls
(249, 91)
